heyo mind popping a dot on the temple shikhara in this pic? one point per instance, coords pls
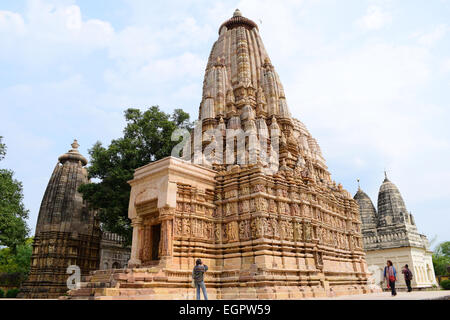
(67, 232)
(391, 234)
(277, 227)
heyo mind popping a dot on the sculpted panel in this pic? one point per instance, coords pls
(298, 231)
(232, 231)
(244, 230)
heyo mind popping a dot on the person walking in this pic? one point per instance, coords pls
(198, 277)
(408, 277)
(390, 274)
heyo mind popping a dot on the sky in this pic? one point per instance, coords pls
(369, 78)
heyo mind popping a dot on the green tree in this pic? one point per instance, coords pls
(147, 138)
(18, 261)
(2, 149)
(13, 215)
(441, 259)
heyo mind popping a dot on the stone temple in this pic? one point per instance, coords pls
(265, 234)
(68, 233)
(391, 234)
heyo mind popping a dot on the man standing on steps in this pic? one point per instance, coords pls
(408, 277)
(198, 277)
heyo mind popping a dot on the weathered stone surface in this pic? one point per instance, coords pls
(288, 233)
(113, 253)
(67, 232)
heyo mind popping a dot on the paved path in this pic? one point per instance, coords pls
(417, 295)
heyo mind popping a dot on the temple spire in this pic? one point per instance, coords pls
(75, 144)
(73, 155)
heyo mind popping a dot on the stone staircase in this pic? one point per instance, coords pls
(129, 282)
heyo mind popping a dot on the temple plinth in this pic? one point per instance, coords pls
(255, 202)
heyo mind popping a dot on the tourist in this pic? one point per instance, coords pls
(390, 274)
(408, 277)
(198, 277)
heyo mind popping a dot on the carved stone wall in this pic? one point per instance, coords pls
(67, 232)
(269, 227)
(113, 253)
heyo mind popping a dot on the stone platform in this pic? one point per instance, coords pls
(159, 284)
(418, 295)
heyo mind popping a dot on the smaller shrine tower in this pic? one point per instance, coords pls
(390, 233)
(67, 232)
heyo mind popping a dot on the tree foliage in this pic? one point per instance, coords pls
(441, 259)
(13, 215)
(146, 138)
(18, 262)
(2, 149)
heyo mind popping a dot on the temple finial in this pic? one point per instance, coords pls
(359, 186)
(237, 13)
(385, 176)
(75, 144)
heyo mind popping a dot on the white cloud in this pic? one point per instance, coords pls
(366, 102)
(431, 38)
(446, 65)
(11, 23)
(50, 30)
(374, 19)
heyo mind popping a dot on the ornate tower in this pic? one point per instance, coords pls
(391, 234)
(256, 204)
(391, 207)
(367, 212)
(67, 232)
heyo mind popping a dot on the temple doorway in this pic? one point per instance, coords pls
(156, 237)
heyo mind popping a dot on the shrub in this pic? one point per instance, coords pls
(12, 293)
(12, 279)
(2, 293)
(445, 284)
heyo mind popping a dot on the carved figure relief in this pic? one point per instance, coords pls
(244, 229)
(298, 231)
(178, 228)
(268, 228)
(232, 231)
(294, 209)
(275, 228)
(217, 232)
(245, 206)
(307, 231)
(186, 227)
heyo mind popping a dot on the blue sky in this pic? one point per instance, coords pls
(370, 79)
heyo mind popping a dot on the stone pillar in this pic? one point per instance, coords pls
(166, 215)
(135, 248)
(166, 238)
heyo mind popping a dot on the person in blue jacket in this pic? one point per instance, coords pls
(390, 274)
